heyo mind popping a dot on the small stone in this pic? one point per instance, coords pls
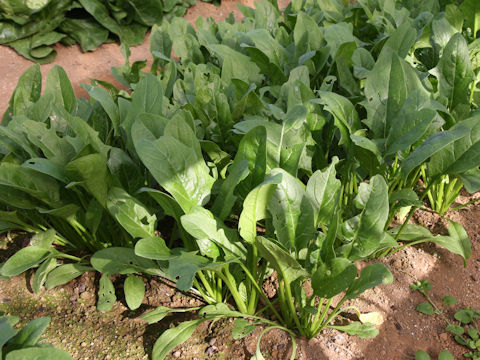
(474, 277)
(212, 341)
(177, 354)
(280, 346)
(85, 295)
(84, 344)
(444, 336)
(210, 350)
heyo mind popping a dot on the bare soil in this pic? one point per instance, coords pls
(78, 328)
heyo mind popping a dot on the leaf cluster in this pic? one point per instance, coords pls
(282, 144)
(27, 343)
(32, 27)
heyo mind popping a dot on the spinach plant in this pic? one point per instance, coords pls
(465, 329)
(27, 343)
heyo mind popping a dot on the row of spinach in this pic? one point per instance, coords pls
(31, 27)
(286, 142)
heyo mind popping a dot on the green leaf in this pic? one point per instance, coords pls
(6, 329)
(225, 200)
(91, 171)
(323, 189)
(371, 276)
(366, 330)
(454, 72)
(386, 88)
(64, 273)
(449, 300)
(169, 205)
(177, 169)
(160, 312)
(455, 329)
(173, 337)
(41, 274)
(184, 267)
(242, 328)
(24, 259)
(106, 294)
(402, 39)
(422, 355)
(29, 335)
(131, 213)
(445, 355)
(59, 87)
(333, 277)
(366, 230)
(252, 148)
(105, 99)
(465, 316)
(255, 207)
(285, 207)
(471, 12)
(280, 260)
(461, 155)
(201, 224)
(37, 353)
(153, 248)
(134, 289)
(431, 146)
(425, 308)
(87, 32)
(27, 92)
(116, 260)
(218, 310)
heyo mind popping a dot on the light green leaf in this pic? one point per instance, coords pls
(134, 289)
(255, 207)
(106, 294)
(24, 259)
(65, 273)
(173, 337)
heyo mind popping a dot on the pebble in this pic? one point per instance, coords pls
(212, 341)
(211, 350)
(85, 295)
(177, 354)
(280, 346)
(84, 344)
(444, 336)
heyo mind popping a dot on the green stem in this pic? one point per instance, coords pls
(466, 204)
(283, 304)
(253, 298)
(291, 305)
(259, 290)
(332, 315)
(71, 257)
(206, 284)
(317, 322)
(230, 282)
(204, 296)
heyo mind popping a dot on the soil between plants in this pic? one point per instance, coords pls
(85, 333)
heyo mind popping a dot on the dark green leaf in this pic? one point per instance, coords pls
(371, 276)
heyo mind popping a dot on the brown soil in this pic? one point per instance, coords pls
(77, 327)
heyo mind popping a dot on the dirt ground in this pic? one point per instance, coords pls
(78, 328)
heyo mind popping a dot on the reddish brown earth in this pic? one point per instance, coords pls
(78, 328)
